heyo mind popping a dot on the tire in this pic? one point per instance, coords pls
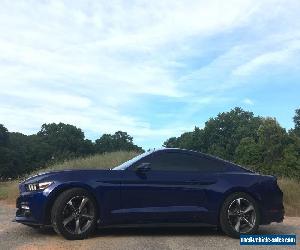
(74, 214)
(239, 215)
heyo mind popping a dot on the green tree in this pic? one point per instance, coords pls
(186, 140)
(65, 140)
(272, 138)
(31, 151)
(20, 154)
(248, 153)
(171, 143)
(118, 141)
(223, 134)
(198, 140)
(10, 164)
(3, 135)
(297, 121)
(291, 157)
(239, 136)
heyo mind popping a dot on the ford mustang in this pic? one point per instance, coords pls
(159, 187)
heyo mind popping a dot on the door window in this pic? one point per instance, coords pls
(172, 161)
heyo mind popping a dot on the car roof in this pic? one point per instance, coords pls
(180, 150)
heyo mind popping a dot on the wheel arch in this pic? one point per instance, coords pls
(231, 191)
(58, 191)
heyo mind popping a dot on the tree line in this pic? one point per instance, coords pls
(21, 154)
(253, 141)
(259, 143)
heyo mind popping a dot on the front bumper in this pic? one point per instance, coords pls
(30, 208)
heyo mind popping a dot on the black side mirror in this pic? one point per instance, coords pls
(143, 167)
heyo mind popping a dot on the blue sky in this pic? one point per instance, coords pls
(152, 68)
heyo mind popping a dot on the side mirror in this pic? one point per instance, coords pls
(143, 167)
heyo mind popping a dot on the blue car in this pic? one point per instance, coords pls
(160, 187)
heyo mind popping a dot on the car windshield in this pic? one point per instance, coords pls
(126, 164)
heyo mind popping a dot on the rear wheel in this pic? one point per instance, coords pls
(74, 214)
(239, 215)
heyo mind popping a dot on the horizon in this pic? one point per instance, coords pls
(161, 146)
(151, 69)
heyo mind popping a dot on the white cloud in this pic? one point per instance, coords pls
(278, 57)
(248, 101)
(90, 63)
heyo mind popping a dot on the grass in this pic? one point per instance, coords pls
(9, 190)
(99, 161)
(291, 196)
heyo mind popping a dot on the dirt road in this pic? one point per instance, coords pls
(16, 236)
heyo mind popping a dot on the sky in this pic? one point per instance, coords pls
(154, 69)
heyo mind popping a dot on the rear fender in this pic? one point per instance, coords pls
(254, 195)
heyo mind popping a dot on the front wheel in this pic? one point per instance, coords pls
(239, 215)
(74, 214)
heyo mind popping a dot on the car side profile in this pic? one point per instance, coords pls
(160, 187)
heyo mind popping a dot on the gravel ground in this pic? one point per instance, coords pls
(16, 236)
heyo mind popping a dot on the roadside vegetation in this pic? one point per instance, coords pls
(99, 161)
(54, 143)
(9, 189)
(259, 143)
(291, 196)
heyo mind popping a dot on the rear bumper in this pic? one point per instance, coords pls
(271, 201)
(275, 215)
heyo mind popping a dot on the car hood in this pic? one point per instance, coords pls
(52, 175)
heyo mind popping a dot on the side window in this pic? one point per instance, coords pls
(172, 161)
(167, 161)
(146, 159)
(207, 164)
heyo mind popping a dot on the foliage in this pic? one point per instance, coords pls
(271, 137)
(116, 142)
(239, 136)
(248, 153)
(291, 197)
(65, 140)
(97, 161)
(3, 136)
(9, 190)
(21, 154)
(297, 122)
(223, 134)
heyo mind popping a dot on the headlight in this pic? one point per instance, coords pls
(38, 186)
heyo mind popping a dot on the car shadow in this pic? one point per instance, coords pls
(145, 231)
(176, 231)
(157, 231)
(278, 228)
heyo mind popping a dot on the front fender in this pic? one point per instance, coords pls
(60, 188)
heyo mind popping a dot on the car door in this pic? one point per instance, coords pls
(172, 190)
